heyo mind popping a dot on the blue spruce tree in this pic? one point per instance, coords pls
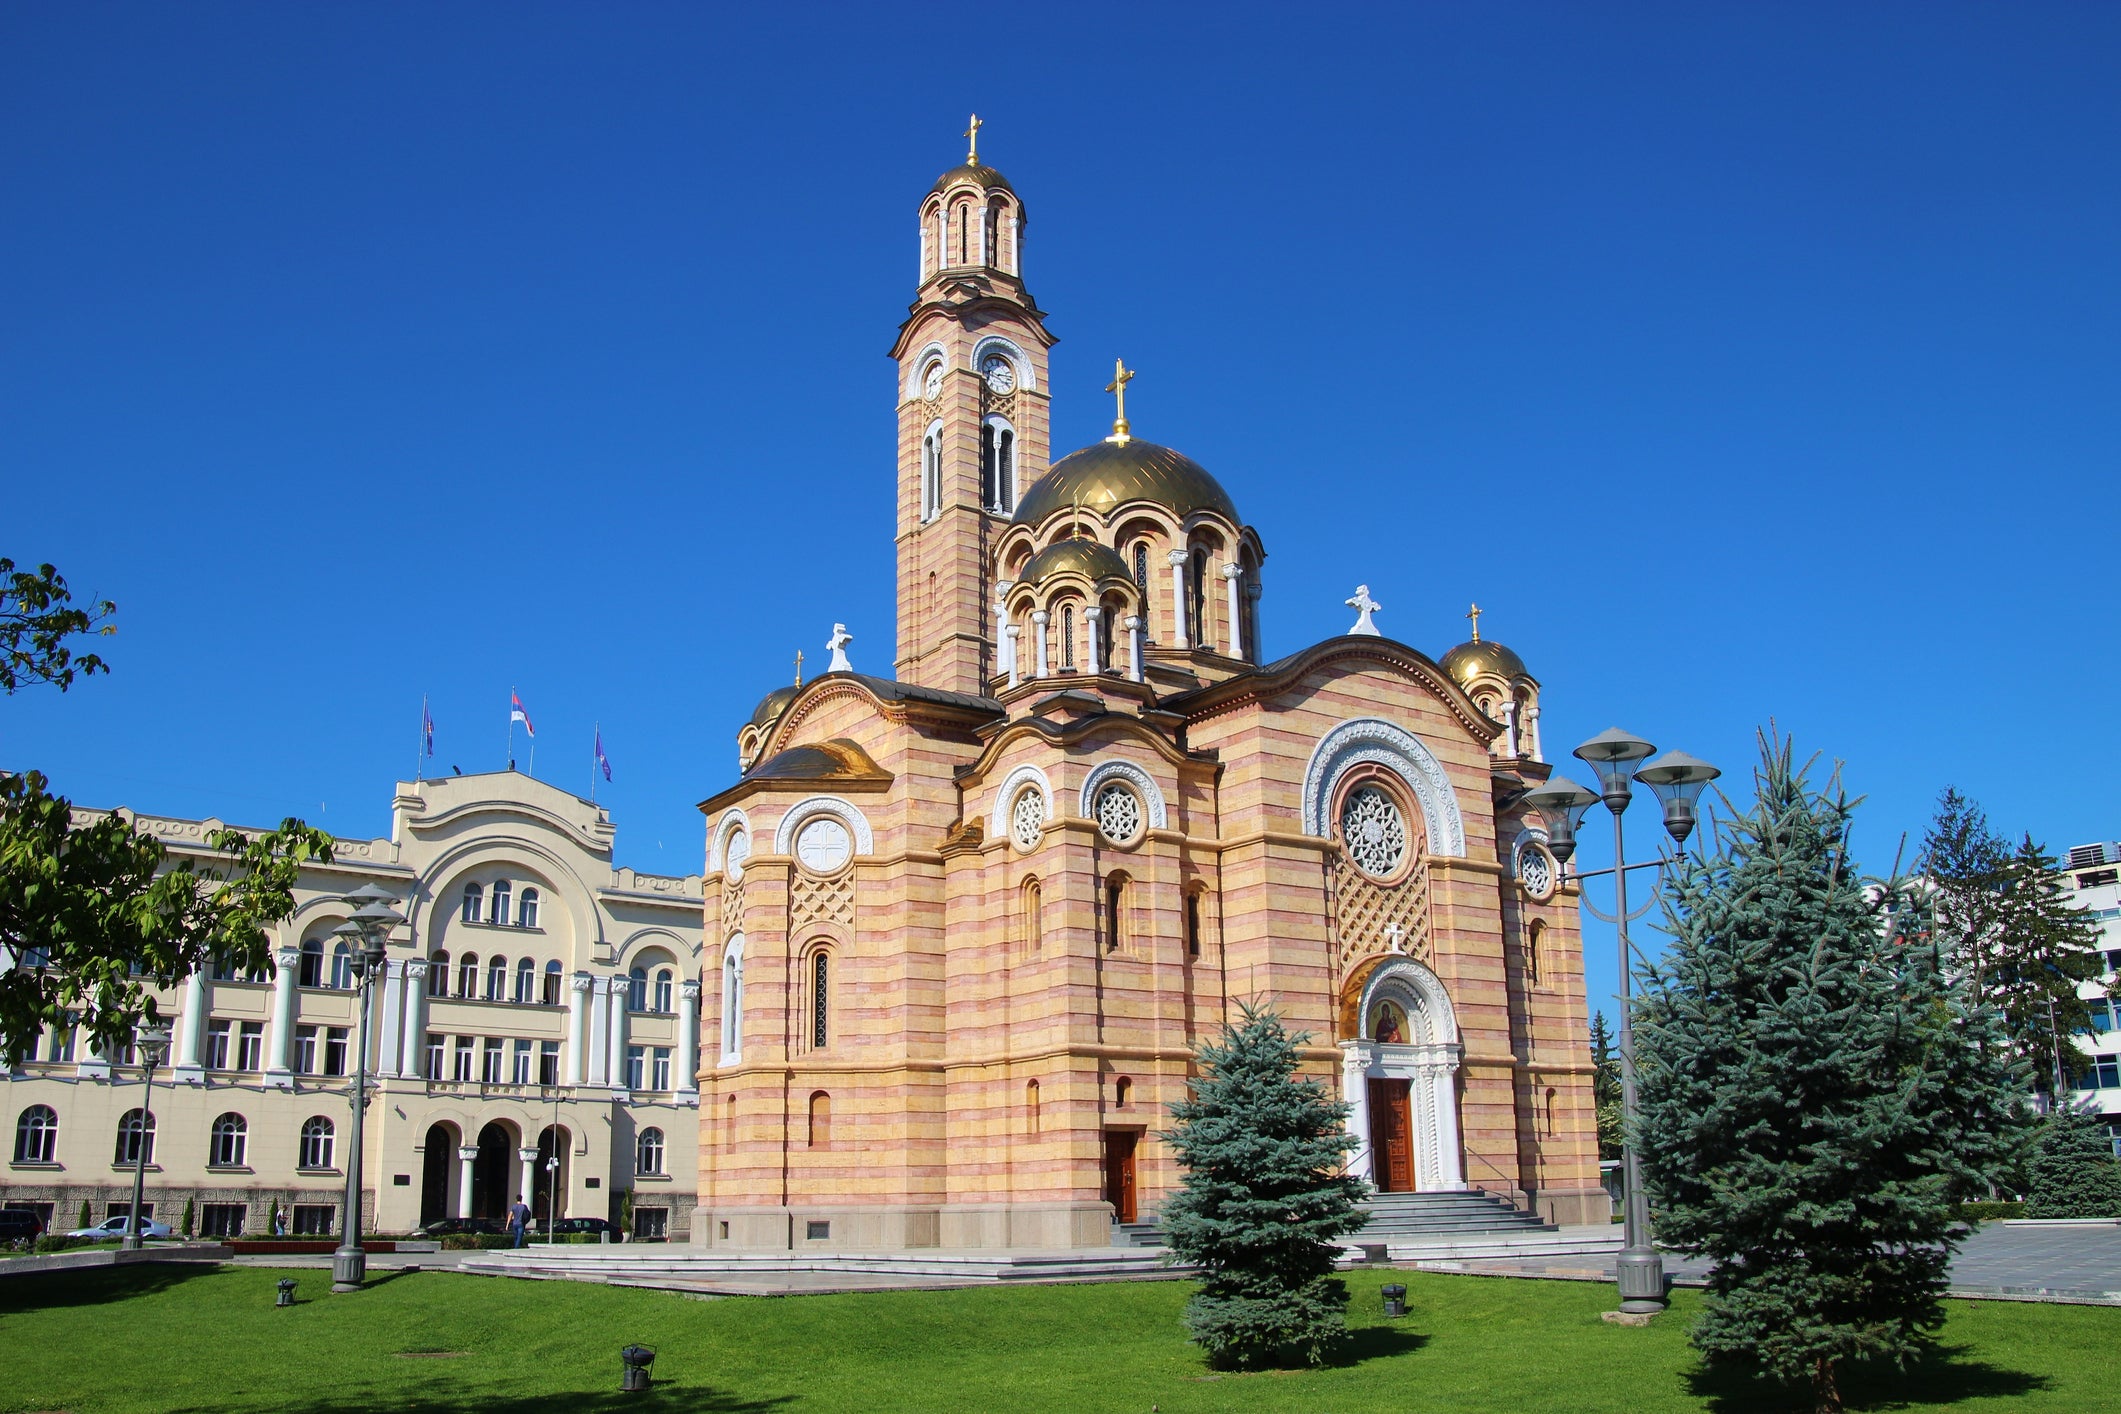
(1816, 1092)
(1265, 1200)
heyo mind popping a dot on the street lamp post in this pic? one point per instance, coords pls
(373, 918)
(1677, 779)
(151, 1042)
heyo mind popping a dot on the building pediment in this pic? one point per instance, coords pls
(1348, 653)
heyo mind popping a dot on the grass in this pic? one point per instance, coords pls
(166, 1338)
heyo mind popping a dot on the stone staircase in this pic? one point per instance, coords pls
(709, 1271)
(1396, 1217)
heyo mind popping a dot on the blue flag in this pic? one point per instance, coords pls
(603, 761)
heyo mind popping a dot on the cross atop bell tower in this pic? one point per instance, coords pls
(974, 421)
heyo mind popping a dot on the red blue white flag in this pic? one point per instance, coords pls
(517, 714)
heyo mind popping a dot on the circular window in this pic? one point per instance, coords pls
(735, 853)
(823, 845)
(1374, 833)
(1027, 818)
(1119, 813)
(1536, 869)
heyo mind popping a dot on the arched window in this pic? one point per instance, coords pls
(1122, 1091)
(1535, 944)
(1067, 636)
(964, 233)
(997, 465)
(1197, 591)
(1115, 912)
(1553, 1113)
(526, 982)
(498, 912)
(1031, 1107)
(438, 975)
(136, 1138)
(474, 899)
(648, 1151)
(1034, 919)
(666, 983)
(1141, 568)
(820, 1120)
(932, 474)
(527, 910)
(1193, 924)
(820, 997)
(230, 1137)
(316, 1142)
(497, 980)
(37, 1135)
(733, 1003)
(312, 965)
(468, 976)
(341, 966)
(551, 995)
(637, 989)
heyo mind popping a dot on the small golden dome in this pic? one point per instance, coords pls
(1085, 557)
(1106, 475)
(977, 173)
(839, 759)
(1477, 657)
(772, 705)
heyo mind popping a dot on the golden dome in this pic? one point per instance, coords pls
(1105, 475)
(1478, 656)
(772, 705)
(839, 759)
(1085, 557)
(977, 173)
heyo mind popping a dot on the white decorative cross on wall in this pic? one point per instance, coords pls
(838, 644)
(1364, 606)
(1394, 935)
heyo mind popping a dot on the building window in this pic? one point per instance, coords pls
(463, 1068)
(1034, 920)
(820, 1120)
(548, 1062)
(491, 1060)
(1122, 1091)
(216, 1045)
(521, 1071)
(1115, 912)
(651, 1224)
(820, 996)
(341, 967)
(222, 1219)
(648, 1153)
(316, 1142)
(311, 968)
(1193, 925)
(37, 1135)
(305, 1050)
(527, 910)
(438, 975)
(468, 976)
(498, 913)
(250, 1046)
(229, 1138)
(551, 994)
(1067, 637)
(434, 1056)
(636, 1065)
(474, 902)
(1372, 831)
(1141, 566)
(526, 982)
(1027, 818)
(315, 1219)
(1031, 1107)
(1120, 817)
(2103, 1073)
(637, 989)
(666, 983)
(733, 1001)
(932, 474)
(1198, 593)
(128, 1052)
(334, 1050)
(497, 980)
(1535, 946)
(659, 1069)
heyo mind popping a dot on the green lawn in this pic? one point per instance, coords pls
(168, 1339)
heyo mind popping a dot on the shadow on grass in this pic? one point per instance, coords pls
(356, 1400)
(93, 1286)
(1942, 1377)
(1366, 1343)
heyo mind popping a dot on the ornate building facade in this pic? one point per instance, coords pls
(967, 924)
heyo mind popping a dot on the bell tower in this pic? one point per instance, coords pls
(973, 423)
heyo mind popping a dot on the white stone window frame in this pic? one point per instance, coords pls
(1154, 813)
(732, 820)
(1531, 838)
(932, 356)
(1361, 741)
(809, 809)
(1006, 504)
(1003, 812)
(932, 471)
(990, 344)
(732, 1018)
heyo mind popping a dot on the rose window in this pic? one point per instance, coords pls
(1027, 818)
(1535, 870)
(1119, 813)
(1375, 836)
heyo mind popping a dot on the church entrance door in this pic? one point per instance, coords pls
(1119, 1173)
(1392, 1135)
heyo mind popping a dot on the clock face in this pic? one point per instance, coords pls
(932, 385)
(823, 846)
(999, 373)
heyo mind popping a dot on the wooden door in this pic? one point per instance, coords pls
(1392, 1135)
(1119, 1172)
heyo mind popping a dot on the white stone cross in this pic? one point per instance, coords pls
(1394, 936)
(838, 644)
(1364, 606)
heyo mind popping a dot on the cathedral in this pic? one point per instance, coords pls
(967, 924)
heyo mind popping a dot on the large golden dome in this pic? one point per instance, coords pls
(1085, 557)
(1105, 475)
(1477, 656)
(977, 173)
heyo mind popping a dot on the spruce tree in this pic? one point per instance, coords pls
(1265, 1199)
(1605, 1088)
(2074, 1174)
(1816, 1091)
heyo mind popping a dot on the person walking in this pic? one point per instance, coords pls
(519, 1222)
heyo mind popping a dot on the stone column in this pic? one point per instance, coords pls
(1091, 615)
(1355, 1089)
(1509, 727)
(1450, 1159)
(1178, 600)
(390, 1024)
(1236, 635)
(527, 1176)
(1011, 634)
(1134, 647)
(280, 1039)
(467, 1155)
(615, 1052)
(1002, 645)
(688, 1076)
(94, 1064)
(1038, 624)
(412, 1055)
(1531, 731)
(191, 1036)
(577, 1070)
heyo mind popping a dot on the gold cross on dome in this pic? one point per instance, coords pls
(972, 136)
(1474, 614)
(798, 667)
(1121, 377)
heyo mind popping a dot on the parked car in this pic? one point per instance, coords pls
(118, 1227)
(564, 1226)
(20, 1224)
(443, 1227)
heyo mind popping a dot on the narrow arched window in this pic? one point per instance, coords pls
(820, 1120)
(1031, 1107)
(136, 1138)
(1034, 919)
(820, 997)
(1122, 1092)
(1067, 635)
(648, 1151)
(637, 989)
(1005, 469)
(474, 901)
(1193, 924)
(1197, 591)
(341, 966)
(990, 493)
(931, 474)
(964, 233)
(551, 994)
(1115, 912)
(229, 1140)
(438, 975)
(497, 980)
(527, 910)
(499, 912)
(37, 1135)
(317, 1134)
(1553, 1114)
(526, 982)
(732, 1005)
(1141, 566)
(665, 989)
(311, 973)
(468, 976)
(1534, 945)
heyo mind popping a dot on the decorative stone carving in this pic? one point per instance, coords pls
(1145, 787)
(1371, 740)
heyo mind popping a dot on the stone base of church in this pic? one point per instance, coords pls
(1567, 1207)
(1028, 1227)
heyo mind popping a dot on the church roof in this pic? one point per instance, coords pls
(839, 761)
(1085, 557)
(978, 173)
(1105, 475)
(1476, 656)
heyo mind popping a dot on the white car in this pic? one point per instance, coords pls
(117, 1227)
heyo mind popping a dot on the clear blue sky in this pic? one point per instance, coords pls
(1743, 362)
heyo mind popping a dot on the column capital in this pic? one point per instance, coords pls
(1040, 617)
(528, 1153)
(288, 955)
(1176, 557)
(1092, 612)
(1134, 621)
(1231, 569)
(416, 967)
(467, 1152)
(690, 991)
(582, 982)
